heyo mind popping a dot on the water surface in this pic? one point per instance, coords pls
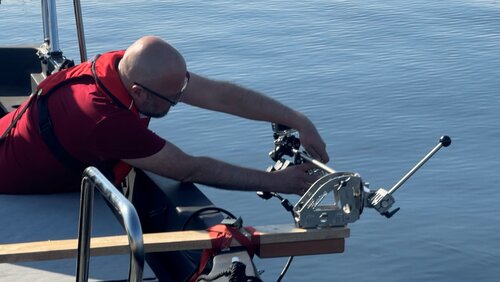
(382, 80)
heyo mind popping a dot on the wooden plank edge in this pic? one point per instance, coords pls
(270, 238)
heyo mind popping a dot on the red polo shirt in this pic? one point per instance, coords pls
(87, 123)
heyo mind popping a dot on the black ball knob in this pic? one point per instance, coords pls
(445, 140)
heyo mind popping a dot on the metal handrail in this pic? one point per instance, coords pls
(126, 214)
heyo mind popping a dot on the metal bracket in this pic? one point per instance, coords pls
(350, 194)
(347, 190)
(382, 201)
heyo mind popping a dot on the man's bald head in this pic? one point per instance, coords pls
(151, 60)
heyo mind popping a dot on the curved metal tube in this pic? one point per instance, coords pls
(123, 209)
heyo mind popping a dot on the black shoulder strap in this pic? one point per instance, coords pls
(49, 137)
(16, 119)
(47, 132)
(101, 85)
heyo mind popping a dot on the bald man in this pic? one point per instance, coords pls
(96, 114)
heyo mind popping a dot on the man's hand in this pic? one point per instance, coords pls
(312, 142)
(294, 179)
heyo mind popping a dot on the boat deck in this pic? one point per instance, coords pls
(53, 217)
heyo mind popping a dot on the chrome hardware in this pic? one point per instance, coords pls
(314, 210)
(350, 193)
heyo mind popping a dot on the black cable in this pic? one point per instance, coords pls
(289, 207)
(196, 213)
(285, 268)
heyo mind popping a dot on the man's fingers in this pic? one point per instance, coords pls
(314, 154)
(306, 166)
(319, 155)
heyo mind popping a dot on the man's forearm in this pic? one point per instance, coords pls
(233, 99)
(240, 101)
(219, 174)
(172, 162)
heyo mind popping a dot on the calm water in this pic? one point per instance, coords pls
(383, 80)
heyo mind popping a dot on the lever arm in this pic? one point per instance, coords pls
(444, 141)
(382, 200)
(314, 161)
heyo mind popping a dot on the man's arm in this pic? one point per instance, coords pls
(233, 99)
(172, 162)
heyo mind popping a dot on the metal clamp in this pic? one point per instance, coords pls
(350, 193)
(346, 189)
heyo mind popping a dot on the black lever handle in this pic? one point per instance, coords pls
(444, 141)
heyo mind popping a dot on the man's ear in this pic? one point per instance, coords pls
(137, 93)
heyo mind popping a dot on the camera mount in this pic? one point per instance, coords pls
(350, 193)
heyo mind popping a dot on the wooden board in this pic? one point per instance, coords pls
(275, 240)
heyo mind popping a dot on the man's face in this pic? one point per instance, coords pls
(154, 107)
(157, 104)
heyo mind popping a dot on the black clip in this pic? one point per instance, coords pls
(389, 214)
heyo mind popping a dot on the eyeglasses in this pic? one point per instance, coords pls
(177, 96)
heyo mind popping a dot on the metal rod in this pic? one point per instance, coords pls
(314, 161)
(53, 32)
(45, 21)
(123, 209)
(80, 30)
(445, 141)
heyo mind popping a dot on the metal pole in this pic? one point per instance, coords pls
(53, 33)
(80, 30)
(445, 141)
(314, 161)
(45, 22)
